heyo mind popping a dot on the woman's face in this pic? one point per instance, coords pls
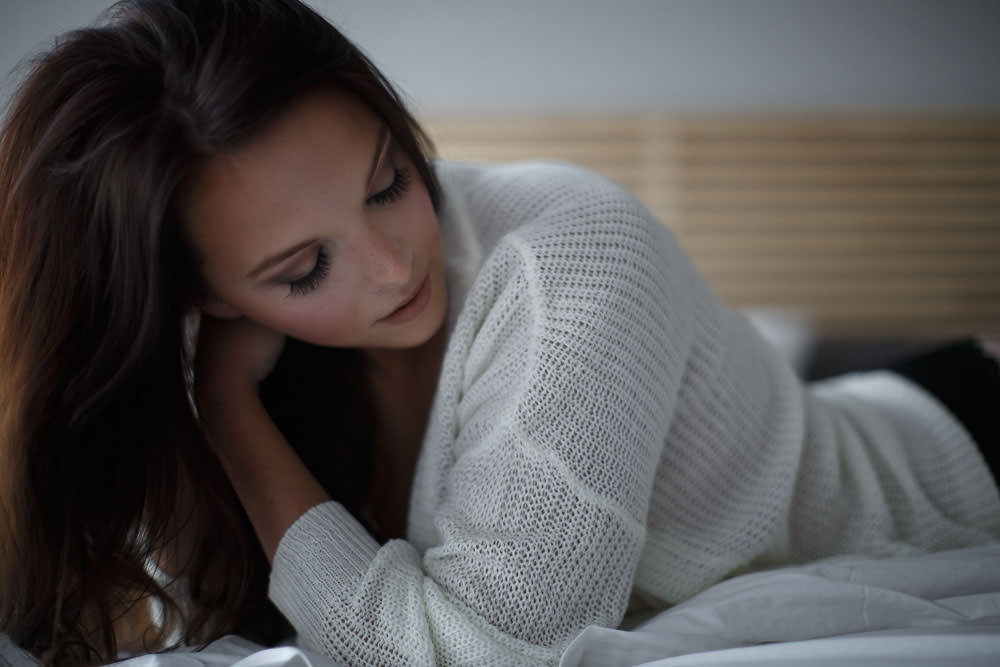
(321, 228)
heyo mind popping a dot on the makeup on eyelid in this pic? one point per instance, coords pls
(400, 182)
(311, 280)
(308, 282)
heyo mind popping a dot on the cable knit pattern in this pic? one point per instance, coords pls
(604, 430)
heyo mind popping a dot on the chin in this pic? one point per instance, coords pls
(425, 330)
(425, 335)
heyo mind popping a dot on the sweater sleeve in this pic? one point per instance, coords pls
(555, 400)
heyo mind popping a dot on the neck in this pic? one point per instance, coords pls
(402, 382)
(407, 363)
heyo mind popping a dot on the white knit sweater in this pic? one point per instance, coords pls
(605, 431)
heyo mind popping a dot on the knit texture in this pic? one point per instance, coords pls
(605, 431)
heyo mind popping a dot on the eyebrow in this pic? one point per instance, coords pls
(381, 148)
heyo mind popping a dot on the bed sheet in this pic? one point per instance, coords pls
(233, 652)
(933, 609)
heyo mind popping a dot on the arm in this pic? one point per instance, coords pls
(347, 586)
(273, 485)
(549, 420)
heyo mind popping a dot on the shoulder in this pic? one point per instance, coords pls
(537, 200)
(559, 236)
(513, 173)
(552, 238)
(530, 187)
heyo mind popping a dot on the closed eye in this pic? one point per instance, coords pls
(310, 281)
(395, 190)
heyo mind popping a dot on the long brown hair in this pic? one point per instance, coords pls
(99, 446)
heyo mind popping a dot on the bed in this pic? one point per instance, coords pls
(921, 610)
(924, 610)
(935, 609)
(849, 241)
(932, 609)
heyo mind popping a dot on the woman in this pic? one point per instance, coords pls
(517, 371)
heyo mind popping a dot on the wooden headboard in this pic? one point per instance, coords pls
(874, 226)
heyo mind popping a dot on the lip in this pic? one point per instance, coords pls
(412, 306)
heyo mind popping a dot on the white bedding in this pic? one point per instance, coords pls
(925, 610)
(938, 609)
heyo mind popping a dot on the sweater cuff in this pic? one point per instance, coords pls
(324, 537)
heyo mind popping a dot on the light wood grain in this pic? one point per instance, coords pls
(873, 225)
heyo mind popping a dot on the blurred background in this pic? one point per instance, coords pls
(649, 55)
(834, 164)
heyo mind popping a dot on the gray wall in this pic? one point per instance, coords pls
(587, 55)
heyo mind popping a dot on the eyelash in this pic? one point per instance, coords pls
(310, 281)
(400, 182)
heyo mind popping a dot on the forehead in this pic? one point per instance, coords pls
(305, 166)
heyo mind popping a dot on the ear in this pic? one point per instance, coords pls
(220, 309)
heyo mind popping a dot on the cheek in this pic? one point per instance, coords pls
(327, 323)
(327, 318)
(423, 220)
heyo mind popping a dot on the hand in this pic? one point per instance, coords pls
(233, 356)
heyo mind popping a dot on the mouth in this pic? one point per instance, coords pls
(412, 306)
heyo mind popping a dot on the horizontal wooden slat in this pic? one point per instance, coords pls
(960, 221)
(800, 196)
(670, 151)
(630, 167)
(868, 173)
(871, 224)
(837, 240)
(749, 154)
(764, 125)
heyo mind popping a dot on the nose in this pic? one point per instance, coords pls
(385, 261)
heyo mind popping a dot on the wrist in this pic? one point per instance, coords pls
(219, 396)
(227, 413)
